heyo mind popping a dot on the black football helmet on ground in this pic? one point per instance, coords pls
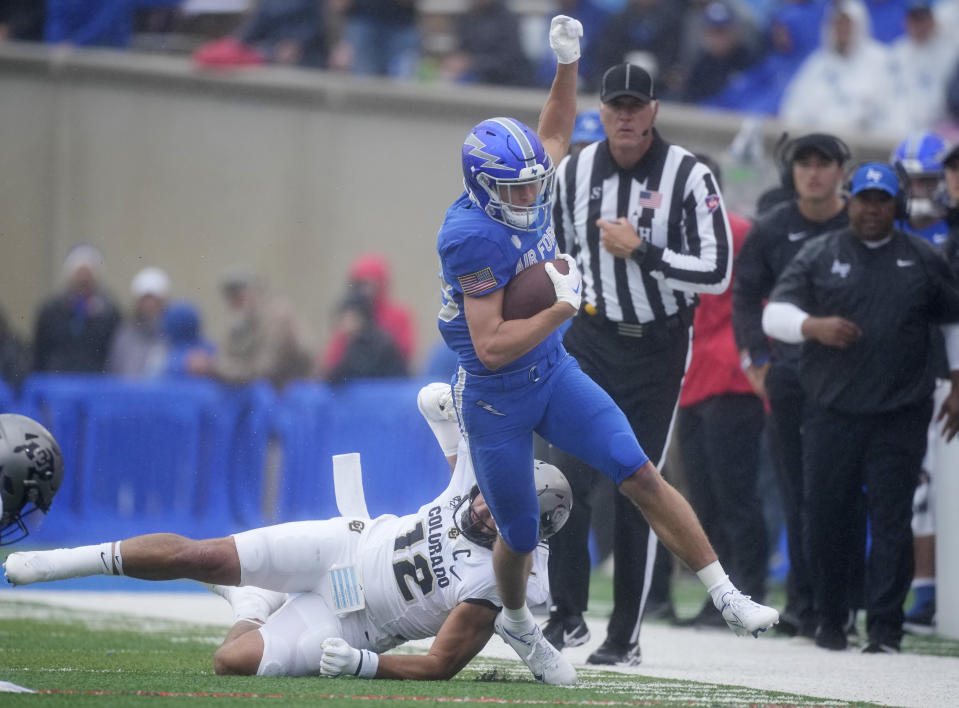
(31, 470)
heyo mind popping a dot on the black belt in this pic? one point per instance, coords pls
(639, 330)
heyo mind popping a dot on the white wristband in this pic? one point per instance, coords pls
(369, 662)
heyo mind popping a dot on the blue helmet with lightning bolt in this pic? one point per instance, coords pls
(508, 173)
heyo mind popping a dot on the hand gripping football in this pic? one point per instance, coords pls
(531, 290)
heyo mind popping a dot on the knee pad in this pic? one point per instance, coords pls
(277, 657)
(521, 534)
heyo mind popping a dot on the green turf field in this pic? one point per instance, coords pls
(73, 660)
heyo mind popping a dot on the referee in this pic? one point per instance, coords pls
(646, 224)
(861, 301)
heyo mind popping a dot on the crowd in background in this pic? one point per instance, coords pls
(84, 328)
(880, 66)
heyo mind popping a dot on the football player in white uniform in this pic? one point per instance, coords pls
(359, 586)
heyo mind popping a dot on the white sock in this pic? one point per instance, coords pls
(250, 604)
(519, 620)
(716, 581)
(78, 562)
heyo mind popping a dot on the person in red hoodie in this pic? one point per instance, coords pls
(719, 425)
(370, 277)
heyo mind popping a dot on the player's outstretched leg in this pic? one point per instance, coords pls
(543, 659)
(745, 616)
(159, 556)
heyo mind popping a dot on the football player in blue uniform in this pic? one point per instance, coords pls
(514, 376)
(921, 156)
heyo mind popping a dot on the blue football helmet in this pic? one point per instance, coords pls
(508, 173)
(921, 156)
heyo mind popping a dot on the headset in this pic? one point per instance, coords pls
(784, 154)
(902, 177)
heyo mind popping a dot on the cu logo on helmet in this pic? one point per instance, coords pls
(41, 458)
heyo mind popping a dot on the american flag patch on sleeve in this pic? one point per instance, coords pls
(477, 282)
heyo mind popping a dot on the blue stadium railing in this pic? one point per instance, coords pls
(201, 459)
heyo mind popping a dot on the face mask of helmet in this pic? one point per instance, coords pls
(522, 203)
(31, 470)
(555, 498)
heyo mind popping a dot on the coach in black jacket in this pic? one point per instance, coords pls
(862, 300)
(812, 167)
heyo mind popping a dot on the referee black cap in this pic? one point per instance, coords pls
(626, 80)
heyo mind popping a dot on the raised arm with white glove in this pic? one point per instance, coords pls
(340, 659)
(568, 287)
(564, 34)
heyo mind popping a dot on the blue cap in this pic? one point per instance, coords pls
(875, 175)
(588, 128)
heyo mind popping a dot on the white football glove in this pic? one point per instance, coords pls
(569, 287)
(339, 658)
(564, 34)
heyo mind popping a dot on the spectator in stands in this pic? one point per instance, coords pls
(89, 23)
(211, 19)
(836, 87)
(886, 18)
(22, 20)
(266, 340)
(369, 352)
(275, 32)
(645, 33)
(719, 426)
(724, 49)
(183, 330)
(488, 50)
(370, 275)
(921, 62)
(74, 328)
(14, 354)
(792, 35)
(380, 37)
(138, 347)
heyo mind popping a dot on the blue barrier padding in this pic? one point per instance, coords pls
(193, 457)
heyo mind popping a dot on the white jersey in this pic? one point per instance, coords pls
(417, 568)
(412, 570)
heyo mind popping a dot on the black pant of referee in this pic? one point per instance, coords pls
(643, 375)
(846, 456)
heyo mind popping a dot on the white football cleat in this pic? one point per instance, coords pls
(543, 659)
(30, 567)
(745, 616)
(435, 401)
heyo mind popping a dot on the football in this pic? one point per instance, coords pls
(531, 290)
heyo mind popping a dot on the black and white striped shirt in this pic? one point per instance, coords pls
(673, 201)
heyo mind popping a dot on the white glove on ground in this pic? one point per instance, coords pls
(564, 34)
(569, 287)
(340, 659)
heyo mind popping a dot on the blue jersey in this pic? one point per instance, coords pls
(936, 233)
(479, 256)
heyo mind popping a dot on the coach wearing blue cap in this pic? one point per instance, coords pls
(862, 300)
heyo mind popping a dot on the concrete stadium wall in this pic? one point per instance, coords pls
(292, 172)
